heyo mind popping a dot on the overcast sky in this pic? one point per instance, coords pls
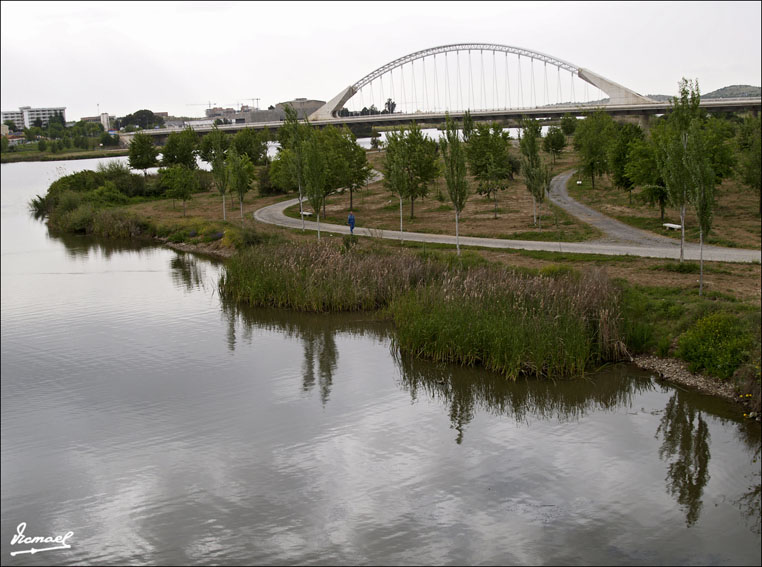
(178, 56)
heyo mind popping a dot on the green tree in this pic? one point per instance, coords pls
(180, 183)
(468, 126)
(396, 168)
(181, 149)
(315, 175)
(671, 137)
(554, 142)
(292, 136)
(454, 157)
(618, 154)
(213, 146)
(11, 125)
(536, 173)
(750, 150)
(348, 166)
(698, 161)
(42, 145)
(643, 170)
(389, 106)
(281, 171)
(253, 144)
(5, 143)
(142, 153)
(591, 140)
(489, 159)
(144, 118)
(240, 173)
(568, 124)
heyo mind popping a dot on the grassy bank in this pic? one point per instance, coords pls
(507, 321)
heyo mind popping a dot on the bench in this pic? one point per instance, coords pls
(670, 226)
(306, 214)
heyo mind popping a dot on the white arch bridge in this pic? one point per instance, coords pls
(459, 77)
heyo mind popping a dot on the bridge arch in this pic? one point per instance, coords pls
(617, 93)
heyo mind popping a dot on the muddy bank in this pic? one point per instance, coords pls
(676, 371)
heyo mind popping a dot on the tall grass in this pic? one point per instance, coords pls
(321, 278)
(511, 323)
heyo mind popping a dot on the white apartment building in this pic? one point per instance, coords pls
(25, 116)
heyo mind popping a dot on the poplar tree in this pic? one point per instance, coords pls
(240, 172)
(454, 157)
(699, 166)
(315, 175)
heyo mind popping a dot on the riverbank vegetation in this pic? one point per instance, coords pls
(516, 312)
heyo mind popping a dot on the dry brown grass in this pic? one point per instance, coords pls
(736, 219)
(376, 207)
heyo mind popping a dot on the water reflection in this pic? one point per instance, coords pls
(750, 503)
(187, 271)
(79, 247)
(685, 445)
(317, 333)
(464, 390)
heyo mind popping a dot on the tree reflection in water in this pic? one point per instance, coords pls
(186, 271)
(466, 389)
(686, 445)
(317, 332)
(750, 503)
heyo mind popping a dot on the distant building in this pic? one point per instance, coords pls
(303, 106)
(104, 118)
(25, 116)
(4, 130)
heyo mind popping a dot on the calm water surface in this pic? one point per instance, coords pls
(163, 426)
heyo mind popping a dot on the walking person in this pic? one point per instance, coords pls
(351, 223)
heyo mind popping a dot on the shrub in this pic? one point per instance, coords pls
(718, 343)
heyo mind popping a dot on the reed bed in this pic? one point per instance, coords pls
(321, 277)
(511, 323)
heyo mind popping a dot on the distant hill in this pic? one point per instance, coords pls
(733, 91)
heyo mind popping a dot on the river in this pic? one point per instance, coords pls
(160, 425)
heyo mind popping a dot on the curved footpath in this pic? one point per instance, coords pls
(619, 239)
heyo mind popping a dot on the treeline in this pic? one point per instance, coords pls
(679, 162)
(56, 136)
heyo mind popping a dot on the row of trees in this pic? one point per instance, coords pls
(318, 162)
(232, 160)
(413, 162)
(679, 162)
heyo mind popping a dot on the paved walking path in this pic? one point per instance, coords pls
(619, 239)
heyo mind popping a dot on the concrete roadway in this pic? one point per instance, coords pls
(619, 239)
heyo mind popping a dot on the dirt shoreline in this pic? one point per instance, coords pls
(676, 371)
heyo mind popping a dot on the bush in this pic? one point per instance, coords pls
(718, 343)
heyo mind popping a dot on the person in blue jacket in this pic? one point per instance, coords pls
(351, 223)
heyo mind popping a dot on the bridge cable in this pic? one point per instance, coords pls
(484, 88)
(448, 96)
(391, 74)
(521, 85)
(425, 87)
(436, 85)
(507, 82)
(404, 90)
(372, 96)
(559, 94)
(383, 98)
(534, 93)
(460, 88)
(496, 94)
(471, 97)
(415, 90)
